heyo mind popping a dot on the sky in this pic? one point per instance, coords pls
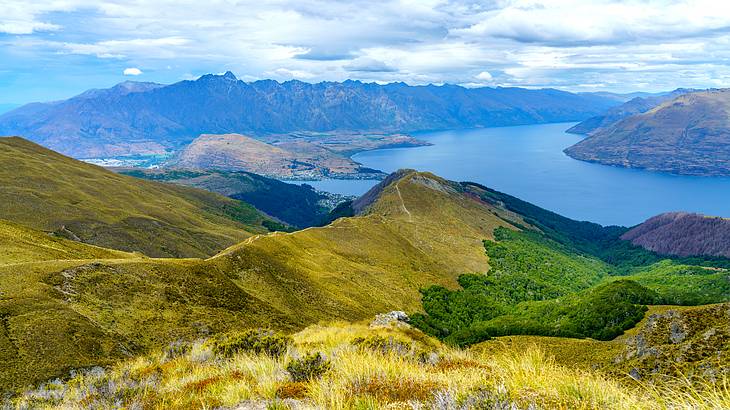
(53, 49)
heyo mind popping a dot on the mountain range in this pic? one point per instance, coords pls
(688, 134)
(146, 118)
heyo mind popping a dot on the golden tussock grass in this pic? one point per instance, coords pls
(364, 378)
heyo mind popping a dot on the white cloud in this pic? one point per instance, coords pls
(623, 44)
(25, 27)
(484, 76)
(287, 74)
(132, 71)
(368, 65)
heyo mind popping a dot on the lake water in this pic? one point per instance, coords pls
(528, 162)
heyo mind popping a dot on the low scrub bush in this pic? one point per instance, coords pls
(310, 367)
(390, 345)
(253, 341)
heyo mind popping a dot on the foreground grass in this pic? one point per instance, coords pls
(386, 367)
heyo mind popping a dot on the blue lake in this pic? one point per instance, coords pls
(528, 162)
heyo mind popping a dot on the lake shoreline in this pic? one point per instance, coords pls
(528, 161)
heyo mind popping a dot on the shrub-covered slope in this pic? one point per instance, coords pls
(683, 234)
(560, 277)
(47, 191)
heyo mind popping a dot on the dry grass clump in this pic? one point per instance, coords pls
(353, 366)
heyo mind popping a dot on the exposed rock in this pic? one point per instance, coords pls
(634, 373)
(394, 318)
(692, 342)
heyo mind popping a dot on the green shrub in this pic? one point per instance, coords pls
(310, 367)
(390, 345)
(253, 341)
(382, 345)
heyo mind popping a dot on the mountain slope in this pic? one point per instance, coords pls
(687, 135)
(412, 231)
(683, 234)
(376, 261)
(47, 191)
(354, 268)
(235, 152)
(20, 244)
(297, 205)
(634, 106)
(120, 122)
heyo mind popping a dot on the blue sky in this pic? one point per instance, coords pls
(52, 49)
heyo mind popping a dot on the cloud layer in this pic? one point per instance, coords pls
(577, 45)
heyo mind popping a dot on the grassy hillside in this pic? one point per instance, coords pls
(353, 366)
(297, 205)
(20, 244)
(351, 269)
(62, 315)
(47, 191)
(414, 231)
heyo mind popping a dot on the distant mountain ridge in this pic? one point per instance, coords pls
(637, 105)
(147, 118)
(688, 135)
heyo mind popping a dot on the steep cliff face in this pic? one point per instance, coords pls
(683, 234)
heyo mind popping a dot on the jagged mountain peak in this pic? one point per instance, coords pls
(166, 118)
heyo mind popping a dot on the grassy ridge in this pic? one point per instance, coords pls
(47, 191)
(351, 269)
